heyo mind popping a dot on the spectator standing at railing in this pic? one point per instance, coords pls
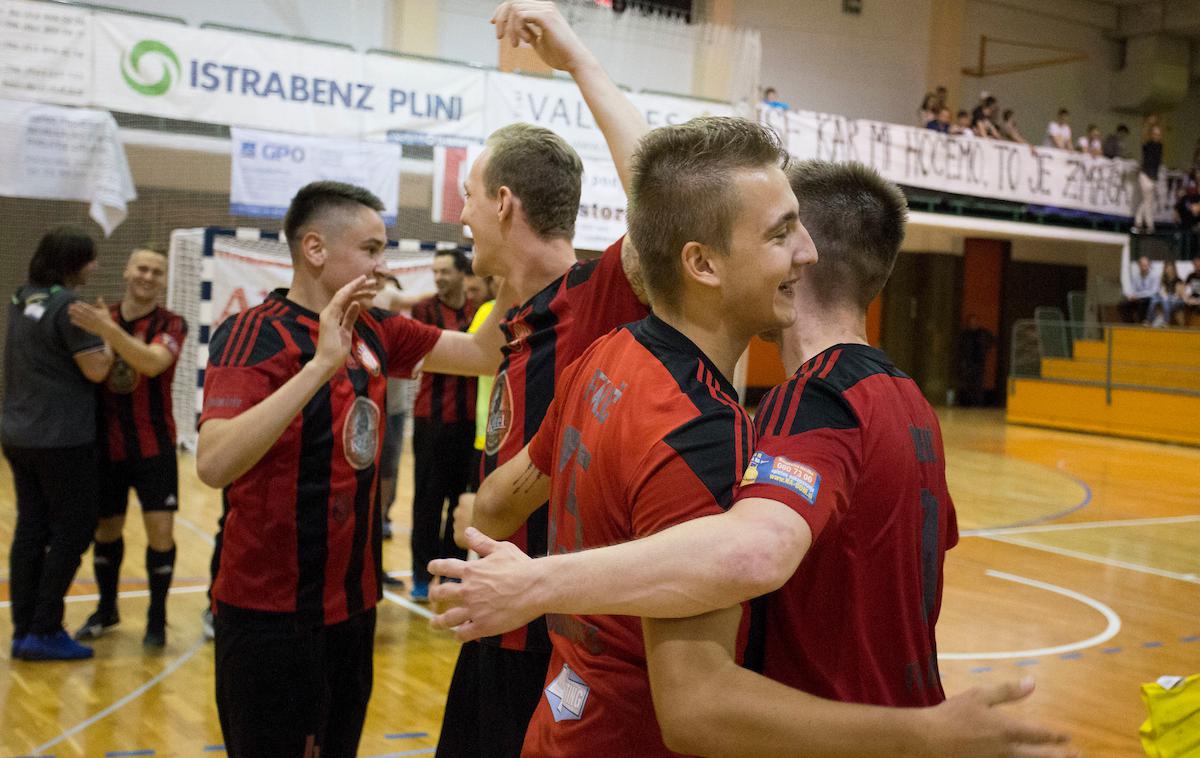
(1168, 299)
(928, 112)
(1152, 154)
(1192, 293)
(771, 98)
(942, 123)
(962, 125)
(1143, 286)
(982, 117)
(1090, 142)
(1009, 130)
(1114, 144)
(1058, 131)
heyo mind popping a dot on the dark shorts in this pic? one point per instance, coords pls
(493, 695)
(156, 481)
(290, 691)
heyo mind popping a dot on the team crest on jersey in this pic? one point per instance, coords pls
(567, 695)
(777, 470)
(520, 335)
(500, 415)
(360, 433)
(366, 358)
(122, 378)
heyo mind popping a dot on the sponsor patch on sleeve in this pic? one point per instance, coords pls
(777, 470)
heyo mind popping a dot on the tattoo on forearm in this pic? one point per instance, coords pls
(527, 480)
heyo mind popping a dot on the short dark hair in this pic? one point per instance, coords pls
(989, 100)
(959, 115)
(542, 171)
(683, 191)
(856, 220)
(1008, 112)
(1122, 129)
(61, 254)
(1063, 112)
(316, 199)
(462, 263)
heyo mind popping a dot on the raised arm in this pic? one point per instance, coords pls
(228, 448)
(474, 354)
(749, 550)
(147, 360)
(708, 705)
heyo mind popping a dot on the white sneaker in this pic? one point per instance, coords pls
(206, 623)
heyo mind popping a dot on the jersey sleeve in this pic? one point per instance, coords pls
(244, 367)
(173, 336)
(690, 473)
(602, 297)
(810, 461)
(407, 341)
(77, 341)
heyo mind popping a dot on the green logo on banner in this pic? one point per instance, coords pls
(135, 77)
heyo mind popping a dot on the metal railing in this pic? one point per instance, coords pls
(1052, 348)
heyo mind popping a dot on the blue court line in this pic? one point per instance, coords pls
(406, 735)
(1151, 644)
(127, 753)
(214, 748)
(1028, 662)
(1190, 638)
(1111, 650)
(1087, 498)
(1071, 656)
(981, 669)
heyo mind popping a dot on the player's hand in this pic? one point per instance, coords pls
(492, 596)
(972, 725)
(540, 24)
(463, 513)
(336, 335)
(94, 319)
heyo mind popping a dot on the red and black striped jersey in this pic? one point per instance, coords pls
(851, 444)
(136, 409)
(445, 398)
(644, 433)
(302, 532)
(545, 335)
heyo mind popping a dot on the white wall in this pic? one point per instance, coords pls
(868, 66)
(360, 23)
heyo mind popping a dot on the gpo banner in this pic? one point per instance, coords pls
(268, 169)
(966, 165)
(169, 70)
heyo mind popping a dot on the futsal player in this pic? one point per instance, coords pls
(844, 503)
(443, 427)
(290, 430)
(137, 437)
(522, 199)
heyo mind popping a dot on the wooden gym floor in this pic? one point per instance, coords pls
(1079, 564)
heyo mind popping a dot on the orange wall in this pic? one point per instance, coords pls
(982, 283)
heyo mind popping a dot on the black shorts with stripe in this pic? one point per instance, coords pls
(155, 480)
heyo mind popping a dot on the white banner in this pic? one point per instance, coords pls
(558, 105)
(56, 153)
(219, 77)
(269, 168)
(243, 279)
(964, 165)
(45, 52)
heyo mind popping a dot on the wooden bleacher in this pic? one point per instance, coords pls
(1133, 382)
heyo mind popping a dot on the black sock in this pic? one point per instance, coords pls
(160, 566)
(106, 560)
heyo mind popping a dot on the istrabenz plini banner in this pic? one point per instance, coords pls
(178, 72)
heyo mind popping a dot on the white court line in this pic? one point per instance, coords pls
(171, 669)
(406, 603)
(189, 524)
(1099, 559)
(1079, 525)
(126, 593)
(1110, 631)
